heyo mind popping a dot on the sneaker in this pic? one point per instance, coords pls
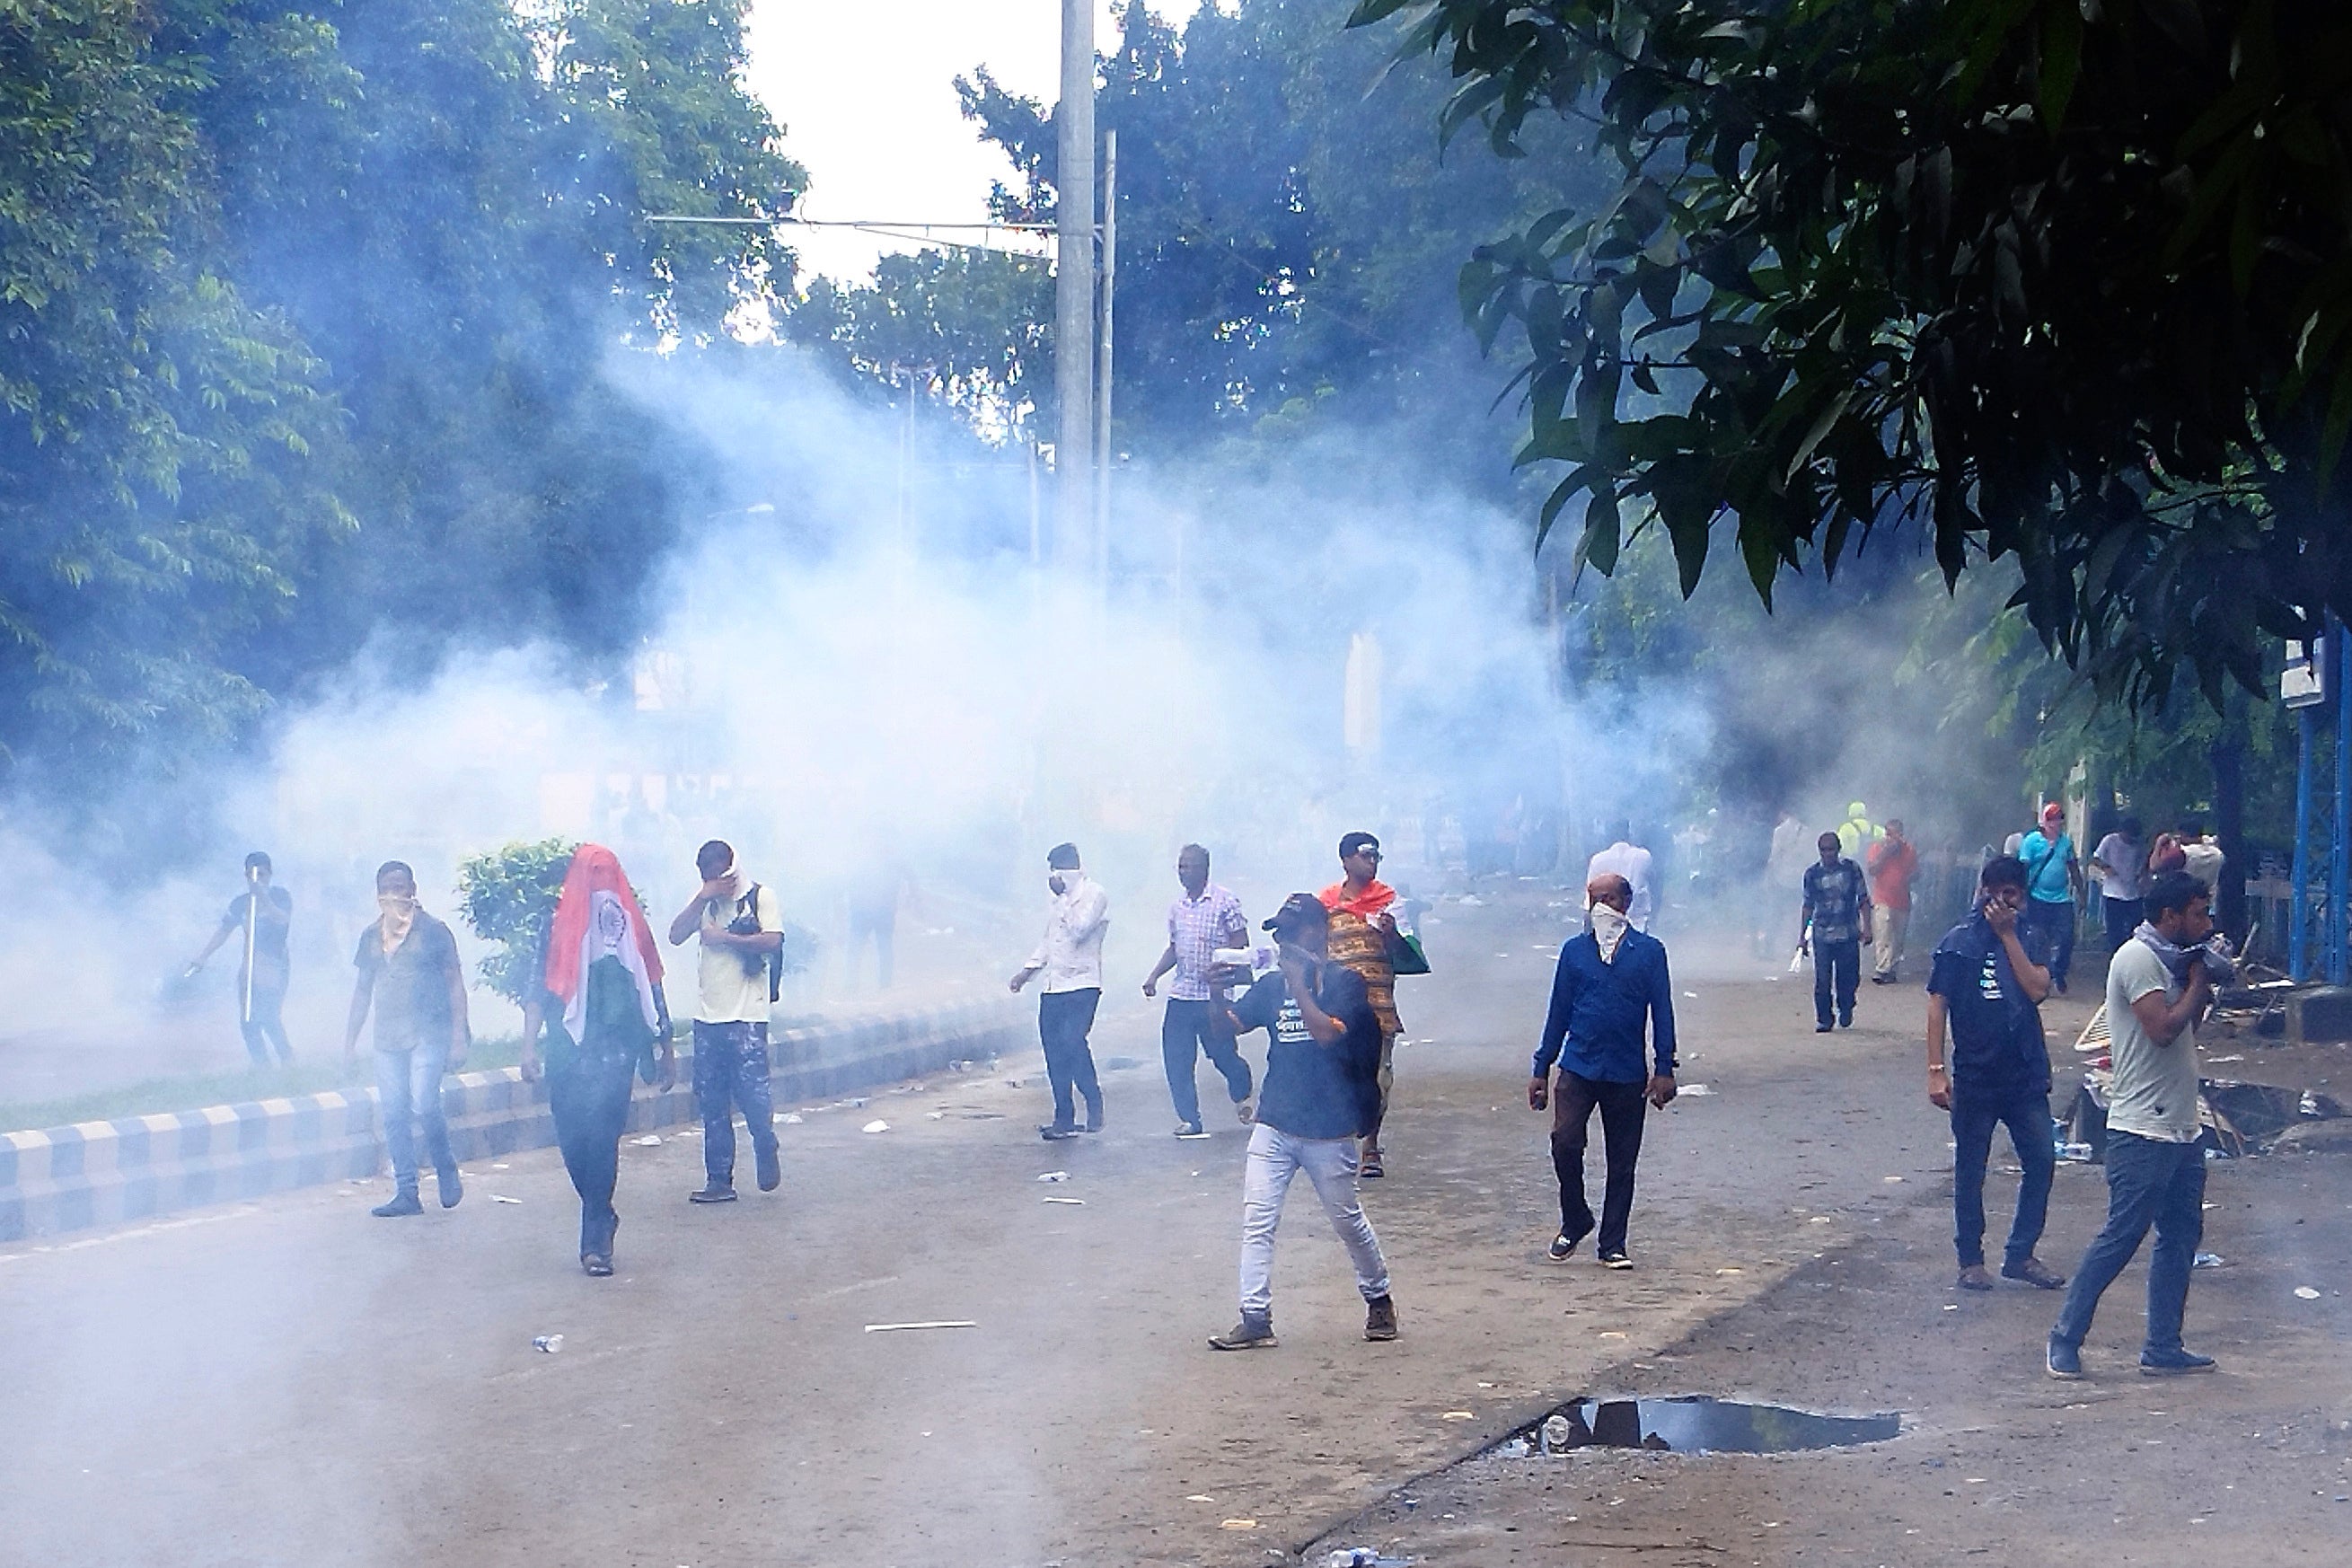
(1821, 1029)
(1882, 980)
(398, 1206)
(1249, 1334)
(1616, 1261)
(1189, 1130)
(451, 1186)
(712, 1194)
(2172, 1364)
(1974, 1278)
(2064, 1362)
(1845, 1020)
(1563, 1247)
(1379, 1318)
(770, 1164)
(2036, 1273)
(1054, 1132)
(1245, 1111)
(597, 1264)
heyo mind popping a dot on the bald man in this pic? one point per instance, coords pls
(1610, 996)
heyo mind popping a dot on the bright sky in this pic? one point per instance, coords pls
(866, 96)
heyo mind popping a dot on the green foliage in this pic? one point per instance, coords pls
(508, 896)
(2051, 281)
(972, 325)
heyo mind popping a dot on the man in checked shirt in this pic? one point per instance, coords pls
(1204, 920)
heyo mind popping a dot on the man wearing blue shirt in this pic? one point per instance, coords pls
(2054, 877)
(1987, 981)
(1610, 990)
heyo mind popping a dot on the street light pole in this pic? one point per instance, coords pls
(1073, 293)
(1102, 364)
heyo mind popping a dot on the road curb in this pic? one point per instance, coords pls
(106, 1173)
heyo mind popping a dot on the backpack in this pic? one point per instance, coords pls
(747, 921)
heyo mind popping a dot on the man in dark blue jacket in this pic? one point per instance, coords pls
(1610, 990)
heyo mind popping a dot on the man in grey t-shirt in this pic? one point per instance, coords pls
(2158, 985)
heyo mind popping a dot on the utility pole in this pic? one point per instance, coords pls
(1102, 366)
(1073, 293)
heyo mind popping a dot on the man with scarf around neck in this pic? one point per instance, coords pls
(1986, 983)
(1070, 959)
(1322, 1049)
(408, 970)
(601, 1006)
(1363, 923)
(2159, 984)
(741, 931)
(1609, 989)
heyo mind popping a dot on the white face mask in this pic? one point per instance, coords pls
(1608, 928)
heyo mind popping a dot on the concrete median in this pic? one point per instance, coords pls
(106, 1173)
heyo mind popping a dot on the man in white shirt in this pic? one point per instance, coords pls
(2204, 857)
(1070, 959)
(743, 937)
(1627, 859)
(2159, 984)
(2120, 863)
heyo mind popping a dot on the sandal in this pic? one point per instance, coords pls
(1371, 1169)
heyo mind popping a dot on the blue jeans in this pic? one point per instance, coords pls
(1275, 1157)
(1187, 1029)
(2026, 1113)
(1063, 1019)
(2055, 924)
(2149, 1182)
(731, 1069)
(2123, 917)
(408, 1091)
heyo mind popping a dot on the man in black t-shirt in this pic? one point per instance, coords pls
(260, 919)
(1321, 1093)
(409, 974)
(1986, 983)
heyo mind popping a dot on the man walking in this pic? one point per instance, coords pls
(2053, 881)
(1204, 920)
(409, 972)
(1609, 989)
(743, 937)
(1625, 858)
(1362, 925)
(2160, 985)
(1892, 863)
(2120, 863)
(1070, 959)
(1322, 1054)
(260, 918)
(1983, 982)
(1833, 925)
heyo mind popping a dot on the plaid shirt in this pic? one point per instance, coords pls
(1196, 928)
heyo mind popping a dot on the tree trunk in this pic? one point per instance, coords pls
(2229, 758)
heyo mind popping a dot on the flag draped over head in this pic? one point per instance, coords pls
(597, 917)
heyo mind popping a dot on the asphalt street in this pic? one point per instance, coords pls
(292, 1382)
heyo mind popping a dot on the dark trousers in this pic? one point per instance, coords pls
(1189, 1030)
(2026, 1113)
(588, 1100)
(2122, 918)
(2055, 924)
(1835, 965)
(2149, 1182)
(730, 1071)
(1621, 1109)
(1063, 1019)
(883, 930)
(266, 1028)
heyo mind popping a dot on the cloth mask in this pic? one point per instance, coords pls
(399, 915)
(1608, 928)
(2213, 953)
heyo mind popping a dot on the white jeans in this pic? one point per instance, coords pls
(1276, 1156)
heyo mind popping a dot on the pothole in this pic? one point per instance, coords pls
(1691, 1424)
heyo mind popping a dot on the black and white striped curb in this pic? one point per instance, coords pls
(105, 1172)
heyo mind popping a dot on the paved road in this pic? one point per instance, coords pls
(292, 1382)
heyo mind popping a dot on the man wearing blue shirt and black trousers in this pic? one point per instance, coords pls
(1610, 988)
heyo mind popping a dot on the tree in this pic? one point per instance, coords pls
(2066, 280)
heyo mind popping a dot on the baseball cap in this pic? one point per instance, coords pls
(1299, 908)
(1352, 842)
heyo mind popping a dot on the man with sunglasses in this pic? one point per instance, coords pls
(1362, 926)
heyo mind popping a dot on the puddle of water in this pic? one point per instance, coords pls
(1693, 1423)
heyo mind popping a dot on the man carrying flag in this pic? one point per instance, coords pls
(607, 1020)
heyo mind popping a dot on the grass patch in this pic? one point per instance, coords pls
(192, 1091)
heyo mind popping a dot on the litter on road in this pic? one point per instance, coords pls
(502, 1198)
(551, 1343)
(1057, 1176)
(876, 1127)
(2206, 1260)
(2306, 1293)
(790, 1119)
(649, 1141)
(1080, 1202)
(1239, 1524)
(1690, 1089)
(901, 1328)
